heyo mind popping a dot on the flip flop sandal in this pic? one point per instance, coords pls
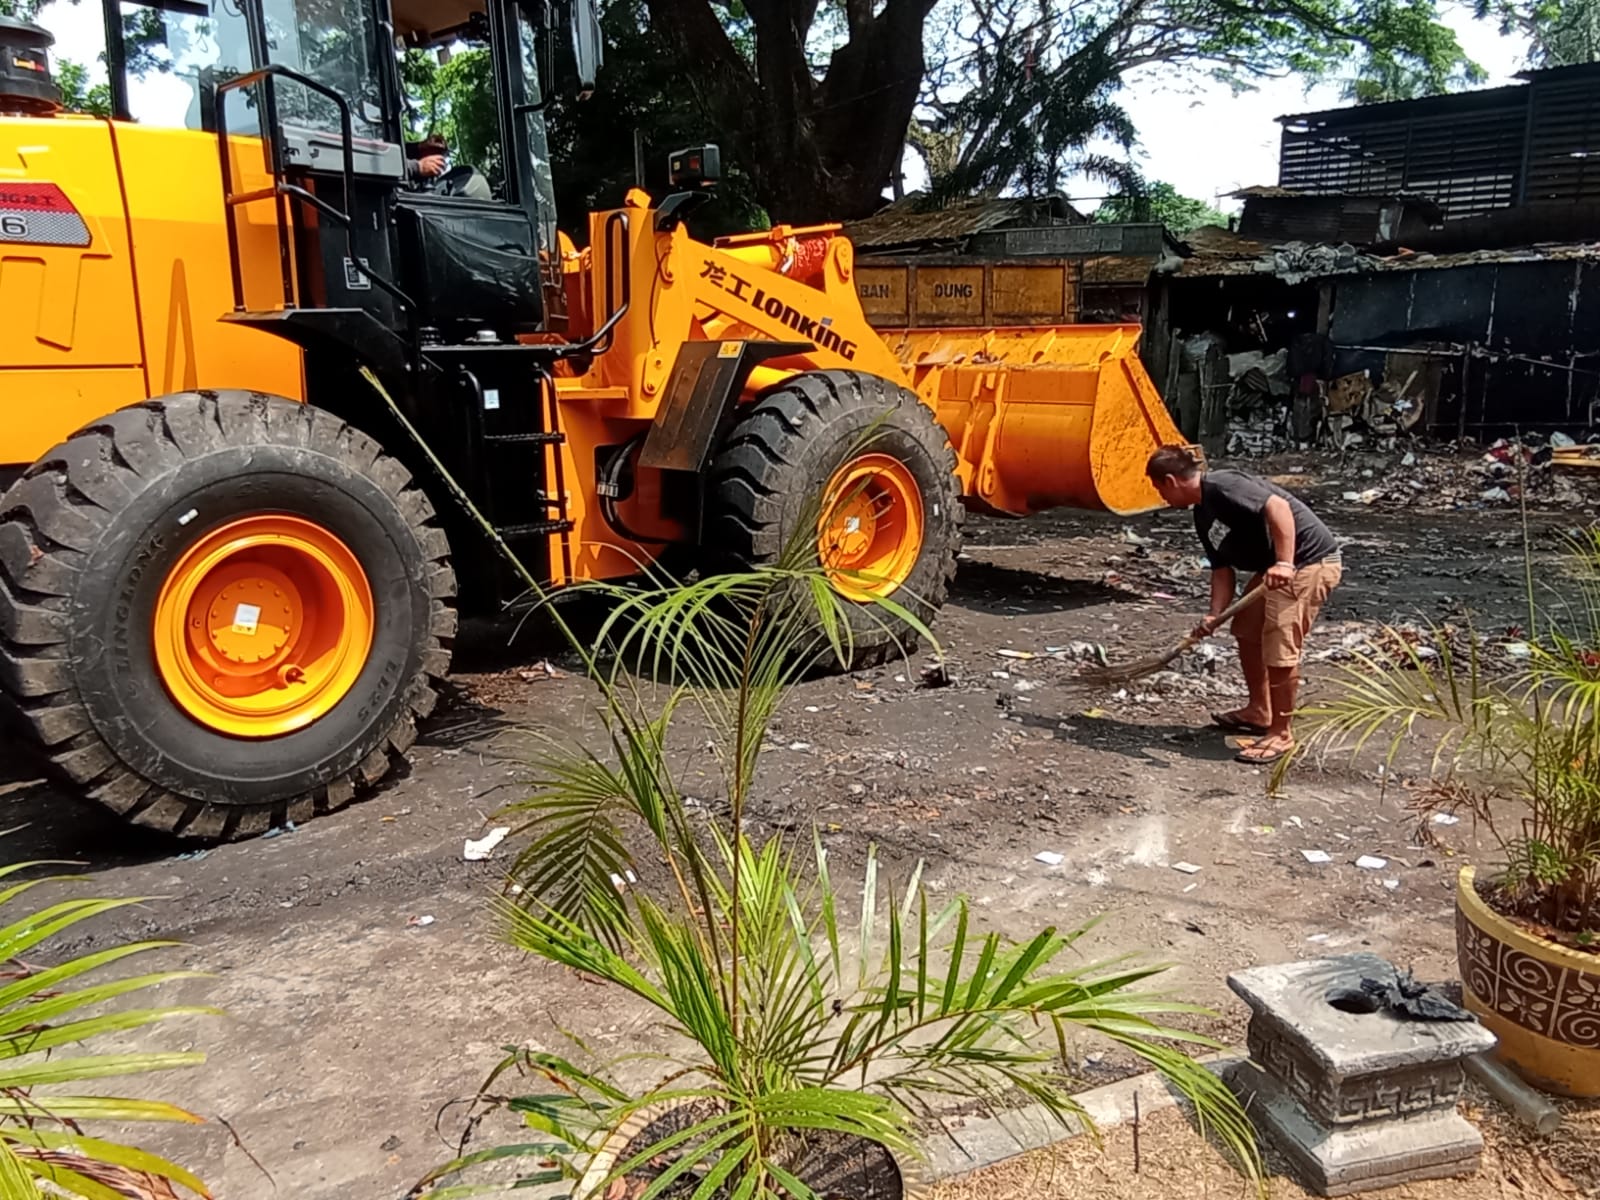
(1260, 759)
(1229, 723)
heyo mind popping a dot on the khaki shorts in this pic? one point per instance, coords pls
(1276, 626)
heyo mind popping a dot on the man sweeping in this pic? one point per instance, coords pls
(1249, 524)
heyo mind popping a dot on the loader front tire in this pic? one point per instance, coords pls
(221, 611)
(858, 468)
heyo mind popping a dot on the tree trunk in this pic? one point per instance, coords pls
(816, 150)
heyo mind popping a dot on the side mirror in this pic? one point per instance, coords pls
(695, 168)
(588, 44)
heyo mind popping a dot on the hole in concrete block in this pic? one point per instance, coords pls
(1352, 1000)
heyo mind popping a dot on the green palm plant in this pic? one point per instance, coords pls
(44, 1014)
(795, 1038)
(1518, 751)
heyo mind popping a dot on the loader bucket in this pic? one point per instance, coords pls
(1056, 417)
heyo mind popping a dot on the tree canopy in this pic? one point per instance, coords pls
(816, 99)
(1562, 33)
(1161, 202)
(815, 102)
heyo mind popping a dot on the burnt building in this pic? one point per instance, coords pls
(1441, 255)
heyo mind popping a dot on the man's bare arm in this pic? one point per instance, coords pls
(1223, 583)
(1280, 528)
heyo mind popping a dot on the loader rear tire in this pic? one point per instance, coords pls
(835, 450)
(160, 565)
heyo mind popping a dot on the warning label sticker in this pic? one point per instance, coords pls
(246, 618)
(39, 214)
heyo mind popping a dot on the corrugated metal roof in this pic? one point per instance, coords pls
(1268, 191)
(1221, 252)
(905, 224)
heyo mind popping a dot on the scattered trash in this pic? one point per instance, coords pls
(1187, 868)
(418, 922)
(1026, 685)
(1316, 856)
(280, 830)
(799, 747)
(620, 882)
(1445, 819)
(1371, 862)
(540, 670)
(1370, 496)
(1495, 495)
(1519, 650)
(999, 674)
(812, 708)
(1561, 441)
(1295, 821)
(477, 851)
(1317, 937)
(1392, 884)
(1095, 714)
(1134, 539)
(1024, 655)
(1189, 888)
(192, 856)
(1050, 858)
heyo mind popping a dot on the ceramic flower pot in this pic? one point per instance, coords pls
(832, 1172)
(1539, 998)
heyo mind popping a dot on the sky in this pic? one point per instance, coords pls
(1206, 142)
(1199, 137)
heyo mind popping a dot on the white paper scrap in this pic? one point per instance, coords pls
(477, 851)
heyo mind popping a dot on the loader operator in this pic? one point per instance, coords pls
(1249, 524)
(428, 160)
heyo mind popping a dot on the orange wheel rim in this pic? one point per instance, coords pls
(263, 626)
(870, 533)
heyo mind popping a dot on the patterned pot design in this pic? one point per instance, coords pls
(1539, 998)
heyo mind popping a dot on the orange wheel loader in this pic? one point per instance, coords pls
(264, 386)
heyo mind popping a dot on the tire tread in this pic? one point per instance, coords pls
(64, 503)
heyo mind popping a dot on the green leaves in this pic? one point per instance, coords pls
(795, 1013)
(41, 1025)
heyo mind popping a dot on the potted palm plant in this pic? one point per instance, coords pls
(804, 1040)
(1519, 752)
(47, 1013)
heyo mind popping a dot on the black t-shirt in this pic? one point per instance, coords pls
(1231, 520)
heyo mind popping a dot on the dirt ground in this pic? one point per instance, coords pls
(351, 1022)
(1174, 1160)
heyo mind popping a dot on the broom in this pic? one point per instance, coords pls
(1153, 663)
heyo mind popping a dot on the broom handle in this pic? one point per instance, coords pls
(1238, 606)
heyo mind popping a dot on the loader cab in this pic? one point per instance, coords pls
(317, 85)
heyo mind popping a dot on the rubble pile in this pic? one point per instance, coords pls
(1258, 406)
(1354, 411)
(1406, 643)
(1487, 480)
(1295, 262)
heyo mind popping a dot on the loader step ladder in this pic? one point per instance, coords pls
(529, 498)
